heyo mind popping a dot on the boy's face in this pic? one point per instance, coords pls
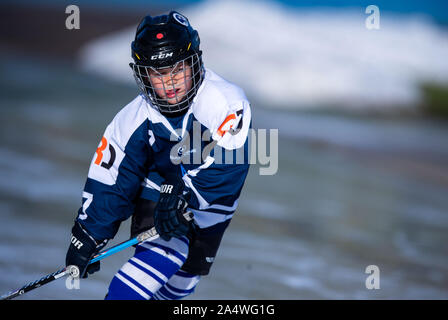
(172, 83)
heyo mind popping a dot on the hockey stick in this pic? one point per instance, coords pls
(73, 271)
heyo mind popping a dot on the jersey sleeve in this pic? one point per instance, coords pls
(217, 184)
(116, 172)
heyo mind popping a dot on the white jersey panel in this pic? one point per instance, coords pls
(220, 106)
(110, 152)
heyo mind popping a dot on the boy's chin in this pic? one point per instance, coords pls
(175, 101)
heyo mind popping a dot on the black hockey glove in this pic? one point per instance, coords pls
(169, 219)
(82, 249)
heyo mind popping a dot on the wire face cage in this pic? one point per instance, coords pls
(171, 89)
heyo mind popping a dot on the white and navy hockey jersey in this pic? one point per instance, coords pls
(140, 145)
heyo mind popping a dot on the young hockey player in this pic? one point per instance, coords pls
(156, 161)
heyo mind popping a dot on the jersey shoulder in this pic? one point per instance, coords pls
(128, 119)
(220, 106)
(132, 112)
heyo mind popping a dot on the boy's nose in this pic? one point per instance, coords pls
(168, 79)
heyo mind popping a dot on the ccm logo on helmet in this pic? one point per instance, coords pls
(162, 56)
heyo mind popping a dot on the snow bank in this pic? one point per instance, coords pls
(302, 58)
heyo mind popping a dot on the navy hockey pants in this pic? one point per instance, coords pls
(153, 273)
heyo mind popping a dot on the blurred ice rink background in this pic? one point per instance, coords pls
(362, 173)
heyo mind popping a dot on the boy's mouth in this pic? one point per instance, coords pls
(170, 94)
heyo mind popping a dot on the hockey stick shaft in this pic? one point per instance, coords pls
(148, 235)
(144, 236)
(35, 284)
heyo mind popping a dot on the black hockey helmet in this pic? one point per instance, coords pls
(167, 42)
